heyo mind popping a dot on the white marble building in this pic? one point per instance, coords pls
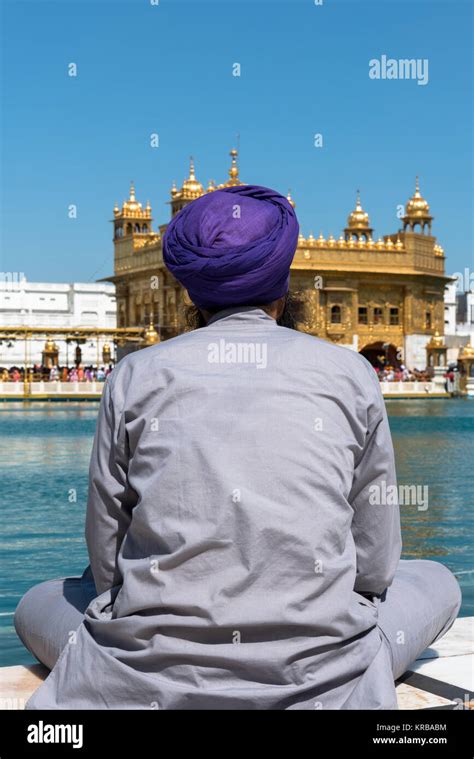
(50, 305)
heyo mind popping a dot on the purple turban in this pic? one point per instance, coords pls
(233, 246)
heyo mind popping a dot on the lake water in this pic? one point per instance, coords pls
(44, 457)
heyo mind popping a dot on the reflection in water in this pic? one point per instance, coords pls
(44, 457)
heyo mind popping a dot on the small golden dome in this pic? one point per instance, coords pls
(301, 240)
(191, 187)
(174, 189)
(358, 219)
(311, 241)
(437, 341)
(150, 335)
(211, 186)
(50, 346)
(321, 241)
(131, 208)
(417, 207)
(467, 351)
(290, 199)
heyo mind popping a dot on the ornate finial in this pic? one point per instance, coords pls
(191, 168)
(290, 199)
(233, 172)
(132, 191)
(417, 185)
(234, 169)
(150, 335)
(358, 205)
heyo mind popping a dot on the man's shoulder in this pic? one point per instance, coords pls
(344, 357)
(143, 359)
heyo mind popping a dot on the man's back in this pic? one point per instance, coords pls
(236, 495)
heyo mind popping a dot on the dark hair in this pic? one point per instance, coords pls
(289, 317)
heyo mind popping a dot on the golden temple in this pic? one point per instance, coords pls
(371, 295)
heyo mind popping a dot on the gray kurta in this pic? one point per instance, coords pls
(231, 529)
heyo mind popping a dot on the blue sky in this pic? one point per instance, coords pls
(167, 69)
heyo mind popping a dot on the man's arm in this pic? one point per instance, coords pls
(374, 498)
(110, 500)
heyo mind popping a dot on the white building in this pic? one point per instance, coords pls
(50, 305)
(458, 319)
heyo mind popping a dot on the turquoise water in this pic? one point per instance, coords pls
(44, 456)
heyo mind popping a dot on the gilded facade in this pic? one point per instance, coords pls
(378, 296)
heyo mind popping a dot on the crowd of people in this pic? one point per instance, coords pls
(56, 373)
(402, 374)
(99, 373)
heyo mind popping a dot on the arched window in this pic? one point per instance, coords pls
(335, 314)
(137, 228)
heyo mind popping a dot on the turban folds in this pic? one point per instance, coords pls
(233, 246)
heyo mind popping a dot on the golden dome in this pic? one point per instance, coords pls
(191, 188)
(50, 346)
(290, 199)
(417, 207)
(467, 351)
(131, 208)
(131, 205)
(358, 219)
(150, 335)
(437, 341)
(211, 186)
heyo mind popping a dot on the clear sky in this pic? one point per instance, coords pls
(167, 69)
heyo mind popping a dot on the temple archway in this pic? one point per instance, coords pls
(381, 354)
